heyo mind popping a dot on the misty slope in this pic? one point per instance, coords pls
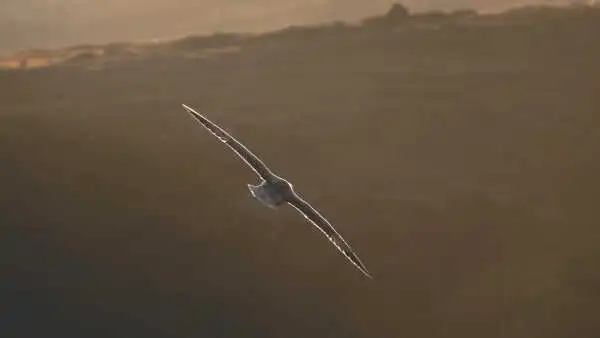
(48, 24)
(460, 160)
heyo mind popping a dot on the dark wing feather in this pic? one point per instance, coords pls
(252, 160)
(323, 224)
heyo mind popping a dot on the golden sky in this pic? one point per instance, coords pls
(51, 23)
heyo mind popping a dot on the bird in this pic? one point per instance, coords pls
(274, 191)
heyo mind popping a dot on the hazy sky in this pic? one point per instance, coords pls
(50, 23)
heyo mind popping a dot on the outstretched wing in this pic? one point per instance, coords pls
(323, 224)
(252, 160)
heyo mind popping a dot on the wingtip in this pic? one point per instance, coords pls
(190, 110)
(361, 267)
(357, 262)
(366, 273)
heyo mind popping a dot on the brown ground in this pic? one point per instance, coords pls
(459, 160)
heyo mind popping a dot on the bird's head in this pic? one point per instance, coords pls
(282, 183)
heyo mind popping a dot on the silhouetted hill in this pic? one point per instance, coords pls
(521, 23)
(458, 154)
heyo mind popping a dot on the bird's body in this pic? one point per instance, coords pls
(272, 194)
(274, 191)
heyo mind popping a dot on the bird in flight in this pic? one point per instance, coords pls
(273, 191)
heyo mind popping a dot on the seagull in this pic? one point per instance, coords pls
(274, 191)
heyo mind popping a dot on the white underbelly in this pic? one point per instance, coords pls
(265, 195)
